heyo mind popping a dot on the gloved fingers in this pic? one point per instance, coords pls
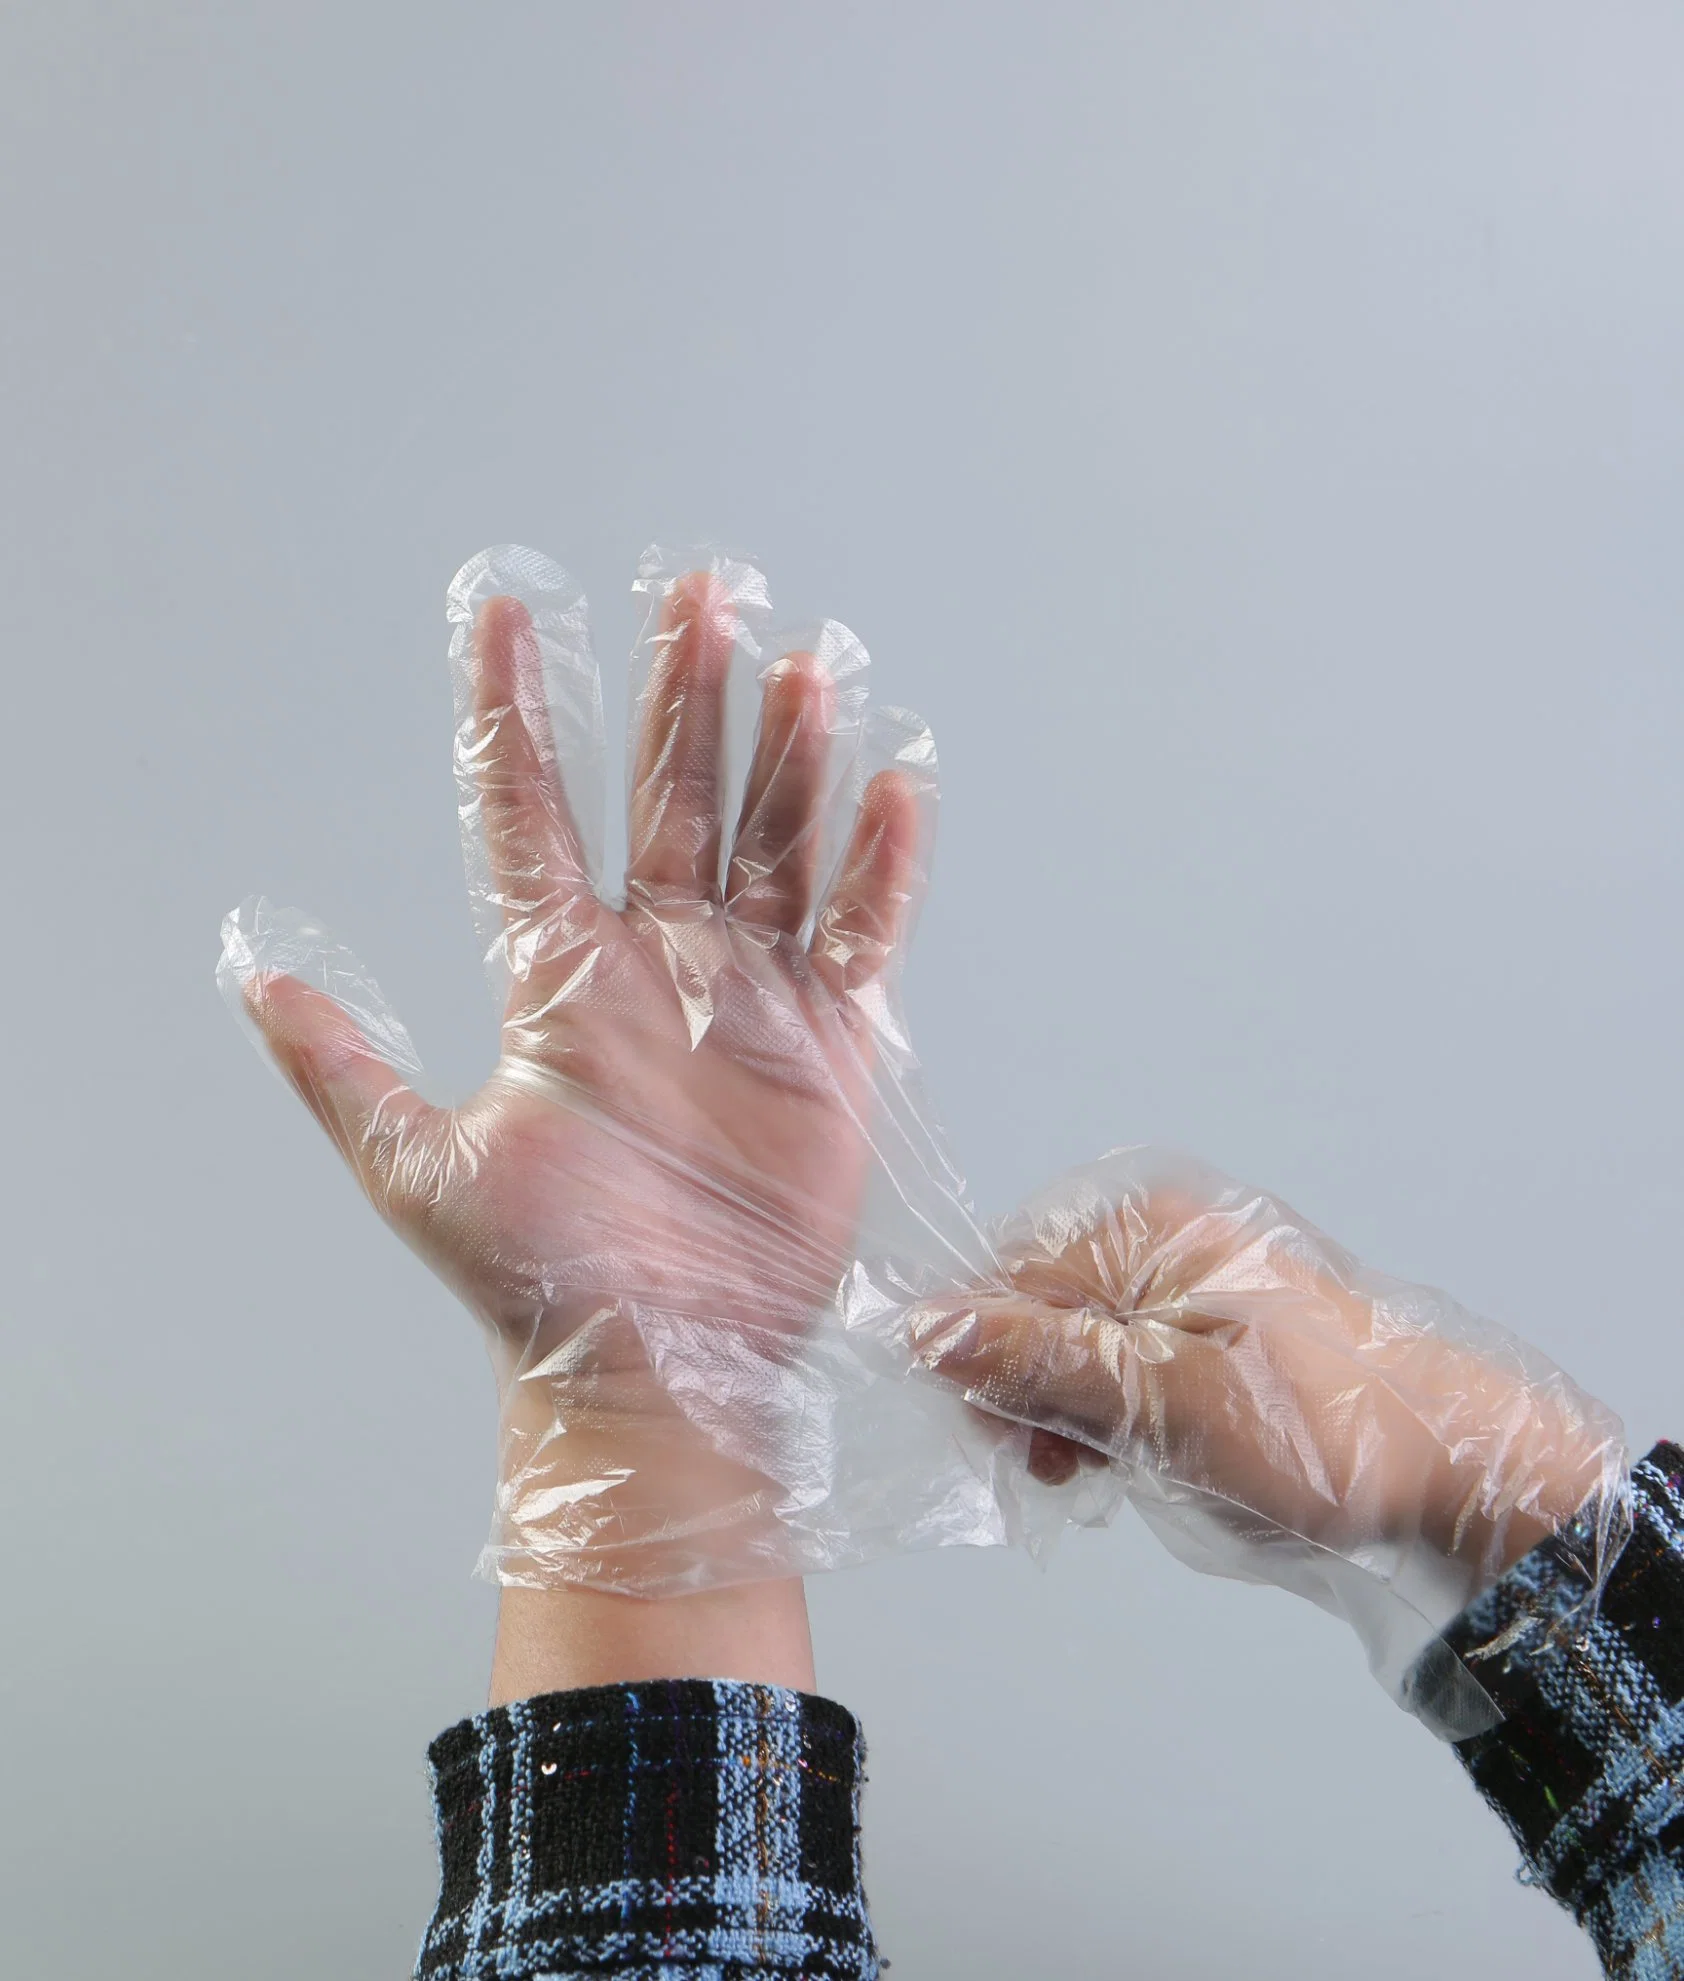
(678, 772)
(536, 854)
(1064, 1370)
(861, 923)
(1139, 1228)
(683, 1116)
(335, 1042)
(1193, 1325)
(377, 1121)
(797, 807)
(1169, 1244)
(1055, 1461)
(873, 900)
(529, 748)
(1263, 1376)
(774, 860)
(1290, 1433)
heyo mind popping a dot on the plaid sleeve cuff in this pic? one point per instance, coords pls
(1587, 1764)
(677, 1830)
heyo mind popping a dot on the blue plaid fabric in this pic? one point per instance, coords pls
(697, 1830)
(1587, 1766)
(679, 1830)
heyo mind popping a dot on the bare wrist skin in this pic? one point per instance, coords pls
(556, 1640)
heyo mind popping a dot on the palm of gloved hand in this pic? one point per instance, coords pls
(675, 1135)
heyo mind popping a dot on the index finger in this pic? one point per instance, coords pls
(509, 755)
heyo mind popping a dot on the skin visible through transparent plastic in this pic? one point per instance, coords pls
(743, 1320)
(1283, 1413)
(705, 1107)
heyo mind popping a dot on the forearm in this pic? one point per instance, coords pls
(555, 1640)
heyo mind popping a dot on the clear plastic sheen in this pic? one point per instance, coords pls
(1282, 1413)
(706, 1110)
(743, 1321)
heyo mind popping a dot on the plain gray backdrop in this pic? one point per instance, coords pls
(1250, 433)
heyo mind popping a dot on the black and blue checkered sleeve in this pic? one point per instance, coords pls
(677, 1830)
(1587, 1765)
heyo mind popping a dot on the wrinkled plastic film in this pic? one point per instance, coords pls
(743, 1320)
(706, 1107)
(1282, 1413)
(558, 703)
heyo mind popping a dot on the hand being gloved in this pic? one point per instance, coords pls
(701, 1098)
(1280, 1412)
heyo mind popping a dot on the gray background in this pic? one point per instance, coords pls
(1251, 434)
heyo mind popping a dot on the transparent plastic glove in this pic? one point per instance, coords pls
(704, 1105)
(1280, 1412)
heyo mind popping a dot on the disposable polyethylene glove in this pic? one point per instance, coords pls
(705, 1103)
(1280, 1412)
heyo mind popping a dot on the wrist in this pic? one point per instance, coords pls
(1517, 1464)
(556, 1640)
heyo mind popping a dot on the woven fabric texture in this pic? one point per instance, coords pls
(688, 1829)
(1587, 1766)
